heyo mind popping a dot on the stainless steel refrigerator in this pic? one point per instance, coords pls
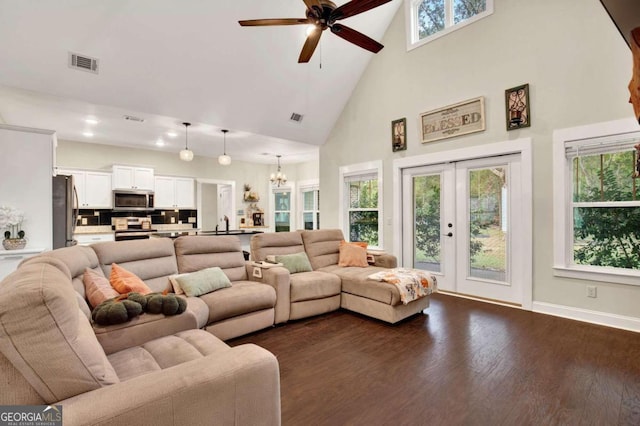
(65, 211)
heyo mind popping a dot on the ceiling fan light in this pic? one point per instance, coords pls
(186, 154)
(311, 28)
(224, 160)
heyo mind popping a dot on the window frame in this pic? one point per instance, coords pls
(290, 188)
(307, 186)
(411, 22)
(563, 264)
(355, 170)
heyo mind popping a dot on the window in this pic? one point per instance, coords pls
(282, 210)
(362, 203)
(310, 196)
(601, 207)
(430, 19)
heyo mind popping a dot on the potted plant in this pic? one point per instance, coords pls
(11, 220)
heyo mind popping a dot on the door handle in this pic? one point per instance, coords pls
(450, 234)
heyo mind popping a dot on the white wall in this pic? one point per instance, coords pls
(577, 66)
(27, 168)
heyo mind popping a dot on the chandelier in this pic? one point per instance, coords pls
(278, 178)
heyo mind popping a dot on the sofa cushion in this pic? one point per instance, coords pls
(76, 259)
(153, 260)
(314, 285)
(275, 243)
(322, 246)
(194, 253)
(294, 263)
(242, 297)
(203, 282)
(165, 352)
(355, 281)
(46, 337)
(97, 287)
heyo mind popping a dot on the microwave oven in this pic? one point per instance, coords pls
(132, 200)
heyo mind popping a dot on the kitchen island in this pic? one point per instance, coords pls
(243, 234)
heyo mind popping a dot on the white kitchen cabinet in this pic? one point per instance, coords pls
(174, 193)
(94, 188)
(86, 239)
(128, 177)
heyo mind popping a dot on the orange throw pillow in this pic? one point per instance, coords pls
(97, 288)
(352, 255)
(362, 244)
(125, 282)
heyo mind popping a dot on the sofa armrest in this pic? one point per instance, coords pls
(278, 278)
(141, 329)
(240, 386)
(385, 260)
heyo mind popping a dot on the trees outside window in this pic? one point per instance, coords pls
(436, 15)
(606, 210)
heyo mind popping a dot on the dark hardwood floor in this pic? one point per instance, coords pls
(465, 363)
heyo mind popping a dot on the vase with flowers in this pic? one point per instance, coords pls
(11, 220)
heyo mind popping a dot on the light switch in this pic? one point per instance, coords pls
(84, 220)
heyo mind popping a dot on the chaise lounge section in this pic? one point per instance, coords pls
(330, 286)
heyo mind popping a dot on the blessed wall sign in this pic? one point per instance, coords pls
(453, 120)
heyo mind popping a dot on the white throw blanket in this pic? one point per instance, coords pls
(411, 283)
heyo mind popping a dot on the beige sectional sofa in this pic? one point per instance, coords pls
(154, 369)
(165, 370)
(330, 286)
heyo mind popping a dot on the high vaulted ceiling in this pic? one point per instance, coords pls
(170, 61)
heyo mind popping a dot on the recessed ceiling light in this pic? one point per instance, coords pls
(91, 120)
(160, 142)
(87, 134)
(172, 134)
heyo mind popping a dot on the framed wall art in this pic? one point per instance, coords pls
(453, 120)
(517, 105)
(399, 134)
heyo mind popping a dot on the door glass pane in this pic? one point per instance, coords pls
(426, 212)
(488, 223)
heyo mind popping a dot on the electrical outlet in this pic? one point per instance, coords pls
(191, 219)
(84, 220)
(173, 219)
(96, 213)
(592, 291)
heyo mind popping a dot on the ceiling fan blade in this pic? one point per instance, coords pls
(355, 7)
(309, 46)
(266, 22)
(356, 38)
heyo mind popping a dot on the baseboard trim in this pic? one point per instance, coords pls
(585, 315)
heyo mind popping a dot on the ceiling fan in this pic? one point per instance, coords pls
(323, 14)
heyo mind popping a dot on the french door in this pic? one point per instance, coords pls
(463, 222)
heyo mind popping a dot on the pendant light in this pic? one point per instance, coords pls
(186, 154)
(278, 178)
(224, 159)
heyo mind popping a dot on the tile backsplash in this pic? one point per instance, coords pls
(161, 217)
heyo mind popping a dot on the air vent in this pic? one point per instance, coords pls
(132, 118)
(83, 63)
(296, 117)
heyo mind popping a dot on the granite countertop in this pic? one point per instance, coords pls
(176, 234)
